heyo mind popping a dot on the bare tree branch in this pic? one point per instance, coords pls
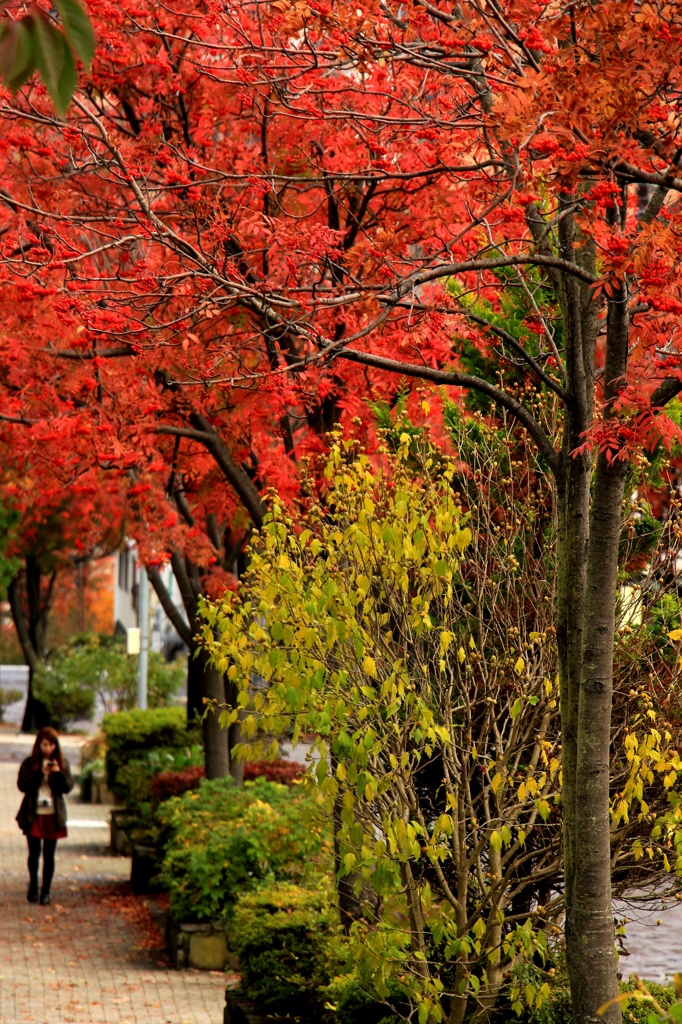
(168, 605)
(463, 380)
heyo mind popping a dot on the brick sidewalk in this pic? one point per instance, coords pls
(82, 960)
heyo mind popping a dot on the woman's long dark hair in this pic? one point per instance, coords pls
(47, 733)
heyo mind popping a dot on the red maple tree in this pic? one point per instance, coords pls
(59, 513)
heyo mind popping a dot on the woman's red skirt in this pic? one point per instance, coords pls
(45, 827)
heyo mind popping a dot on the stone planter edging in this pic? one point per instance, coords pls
(201, 946)
(120, 841)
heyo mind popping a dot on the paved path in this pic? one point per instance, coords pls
(94, 956)
(655, 950)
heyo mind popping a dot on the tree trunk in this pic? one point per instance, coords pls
(234, 735)
(216, 753)
(573, 500)
(365, 905)
(31, 629)
(590, 935)
(195, 674)
(202, 678)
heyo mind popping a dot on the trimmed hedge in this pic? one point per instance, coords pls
(283, 935)
(129, 733)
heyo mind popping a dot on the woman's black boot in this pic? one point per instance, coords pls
(32, 896)
(44, 897)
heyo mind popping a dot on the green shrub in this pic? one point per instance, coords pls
(133, 783)
(7, 697)
(164, 679)
(286, 938)
(96, 664)
(638, 1011)
(353, 1004)
(556, 1009)
(66, 699)
(221, 841)
(129, 733)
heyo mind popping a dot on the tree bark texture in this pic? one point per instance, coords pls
(590, 928)
(590, 933)
(216, 752)
(590, 500)
(202, 679)
(30, 610)
(234, 735)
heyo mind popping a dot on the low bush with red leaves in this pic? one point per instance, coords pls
(175, 783)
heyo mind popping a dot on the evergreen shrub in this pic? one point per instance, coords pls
(284, 937)
(129, 734)
(221, 841)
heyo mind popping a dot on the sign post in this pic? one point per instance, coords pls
(143, 620)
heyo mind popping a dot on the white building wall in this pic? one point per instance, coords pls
(162, 635)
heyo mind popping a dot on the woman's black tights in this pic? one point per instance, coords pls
(50, 845)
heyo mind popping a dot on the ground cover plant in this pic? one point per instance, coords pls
(176, 782)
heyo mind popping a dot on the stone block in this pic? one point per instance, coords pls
(207, 952)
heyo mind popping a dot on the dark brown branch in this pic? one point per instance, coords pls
(214, 533)
(106, 353)
(666, 391)
(21, 623)
(17, 419)
(462, 380)
(169, 606)
(183, 505)
(494, 263)
(185, 587)
(242, 483)
(648, 177)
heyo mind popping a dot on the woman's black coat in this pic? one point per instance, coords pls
(29, 782)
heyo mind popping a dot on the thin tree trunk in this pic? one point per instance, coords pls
(591, 938)
(365, 905)
(234, 735)
(202, 679)
(573, 500)
(216, 753)
(195, 673)
(35, 713)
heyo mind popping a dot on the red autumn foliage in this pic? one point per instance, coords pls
(227, 206)
(253, 211)
(284, 772)
(175, 783)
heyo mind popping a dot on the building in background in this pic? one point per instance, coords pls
(162, 635)
(100, 596)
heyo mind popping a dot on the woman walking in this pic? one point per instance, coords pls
(44, 777)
